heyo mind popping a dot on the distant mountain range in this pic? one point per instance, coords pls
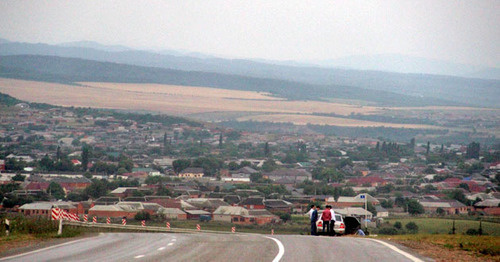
(294, 81)
(409, 65)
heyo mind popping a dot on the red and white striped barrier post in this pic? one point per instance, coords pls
(168, 225)
(198, 227)
(143, 223)
(108, 220)
(272, 231)
(56, 212)
(85, 218)
(94, 219)
(233, 229)
(124, 221)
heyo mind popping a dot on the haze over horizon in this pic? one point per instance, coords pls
(461, 32)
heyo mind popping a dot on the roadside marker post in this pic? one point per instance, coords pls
(168, 225)
(108, 220)
(94, 220)
(366, 210)
(272, 232)
(124, 221)
(233, 229)
(143, 223)
(198, 227)
(85, 218)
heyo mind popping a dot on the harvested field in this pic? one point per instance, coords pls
(174, 100)
(326, 120)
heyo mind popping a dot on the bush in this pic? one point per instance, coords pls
(142, 216)
(29, 225)
(398, 225)
(472, 232)
(412, 227)
(388, 231)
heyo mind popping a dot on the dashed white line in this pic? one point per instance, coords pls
(169, 244)
(161, 248)
(173, 240)
(281, 248)
(139, 256)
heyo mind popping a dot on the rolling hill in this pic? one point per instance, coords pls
(70, 70)
(335, 82)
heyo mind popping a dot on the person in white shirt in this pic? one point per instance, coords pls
(310, 211)
(332, 223)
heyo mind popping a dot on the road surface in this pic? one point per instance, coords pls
(215, 247)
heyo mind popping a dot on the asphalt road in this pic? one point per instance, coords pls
(214, 247)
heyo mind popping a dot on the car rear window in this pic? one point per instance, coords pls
(338, 218)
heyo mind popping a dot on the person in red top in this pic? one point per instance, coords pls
(326, 217)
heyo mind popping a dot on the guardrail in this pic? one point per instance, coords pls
(143, 228)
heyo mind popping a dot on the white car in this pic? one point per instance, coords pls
(338, 228)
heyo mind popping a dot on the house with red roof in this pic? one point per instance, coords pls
(369, 180)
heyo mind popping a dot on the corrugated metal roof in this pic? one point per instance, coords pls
(230, 210)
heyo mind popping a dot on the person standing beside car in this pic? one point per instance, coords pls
(326, 217)
(332, 222)
(314, 218)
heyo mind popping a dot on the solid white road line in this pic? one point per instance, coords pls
(42, 249)
(408, 255)
(139, 256)
(161, 248)
(281, 248)
(169, 244)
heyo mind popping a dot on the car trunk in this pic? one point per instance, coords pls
(352, 225)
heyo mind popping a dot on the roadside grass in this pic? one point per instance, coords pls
(445, 247)
(27, 231)
(444, 225)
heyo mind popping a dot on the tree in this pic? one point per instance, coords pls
(267, 152)
(269, 165)
(18, 178)
(163, 191)
(181, 164)
(58, 153)
(458, 195)
(414, 207)
(77, 197)
(464, 186)
(143, 215)
(97, 189)
(473, 150)
(398, 225)
(85, 156)
(428, 148)
(387, 203)
(233, 165)
(126, 163)
(440, 211)
(56, 190)
(370, 207)
(284, 216)
(412, 227)
(220, 140)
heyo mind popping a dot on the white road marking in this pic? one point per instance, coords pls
(139, 256)
(173, 240)
(281, 248)
(161, 248)
(408, 255)
(169, 244)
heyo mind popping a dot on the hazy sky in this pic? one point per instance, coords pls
(465, 31)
